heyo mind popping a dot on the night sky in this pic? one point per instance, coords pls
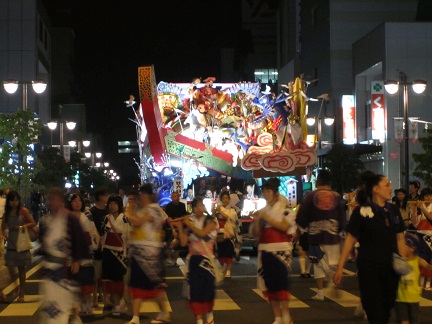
(181, 38)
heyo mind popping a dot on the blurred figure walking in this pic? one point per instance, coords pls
(63, 249)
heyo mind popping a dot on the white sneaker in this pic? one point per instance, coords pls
(318, 297)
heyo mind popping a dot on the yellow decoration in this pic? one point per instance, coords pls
(300, 105)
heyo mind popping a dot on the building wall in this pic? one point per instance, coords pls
(405, 47)
(328, 30)
(63, 61)
(24, 53)
(288, 26)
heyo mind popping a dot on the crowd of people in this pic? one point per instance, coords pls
(116, 250)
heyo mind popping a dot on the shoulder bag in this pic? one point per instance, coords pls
(33, 232)
(23, 241)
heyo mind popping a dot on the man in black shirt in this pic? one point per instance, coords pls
(99, 211)
(175, 209)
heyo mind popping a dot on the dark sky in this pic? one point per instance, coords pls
(181, 38)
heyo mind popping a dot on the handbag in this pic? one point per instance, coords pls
(33, 232)
(217, 271)
(23, 241)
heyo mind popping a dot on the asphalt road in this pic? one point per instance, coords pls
(237, 300)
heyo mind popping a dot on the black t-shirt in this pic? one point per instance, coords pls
(376, 228)
(98, 218)
(175, 210)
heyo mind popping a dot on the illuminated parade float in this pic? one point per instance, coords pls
(235, 129)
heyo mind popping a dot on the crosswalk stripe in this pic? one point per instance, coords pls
(349, 273)
(425, 302)
(342, 297)
(294, 302)
(14, 284)
(150, 306)
(28, 308)
(224, 302)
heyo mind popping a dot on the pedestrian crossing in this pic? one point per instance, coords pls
(224, 300)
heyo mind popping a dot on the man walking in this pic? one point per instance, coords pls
(322, 216)
(175, 209)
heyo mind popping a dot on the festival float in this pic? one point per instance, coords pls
(235, 129)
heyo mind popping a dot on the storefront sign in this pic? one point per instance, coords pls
(378, 113)
(348, 109)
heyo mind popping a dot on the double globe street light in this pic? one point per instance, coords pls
(418, 86)
(11, 86)
(52, 125)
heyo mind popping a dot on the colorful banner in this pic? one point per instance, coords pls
(378, 113)
(413, 130)
(399, 133)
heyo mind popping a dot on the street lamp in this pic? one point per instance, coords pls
(11, 86)
(53, 125)
(392, 86)
(327, 120)
(90, 155)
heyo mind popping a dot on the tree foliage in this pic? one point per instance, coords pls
(423, 169)
(345, 167)
(17, 158)
(57, 171)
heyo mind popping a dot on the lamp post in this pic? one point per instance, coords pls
(92, 156)
(11, 86)
(53, 125)
(391, 86)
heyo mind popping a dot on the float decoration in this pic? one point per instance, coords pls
(261, 131)
(222, 125)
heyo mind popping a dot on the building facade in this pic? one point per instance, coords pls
(25, 54)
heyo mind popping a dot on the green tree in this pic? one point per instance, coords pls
(18, 161)
(345, 166)
(423, 168)
(55, 171)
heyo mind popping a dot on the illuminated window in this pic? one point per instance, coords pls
(266, 75)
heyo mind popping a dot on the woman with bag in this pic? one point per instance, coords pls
(275, 226)
(227, 218)
(378, 226)
(201, 234)
(17, 221)
(114, 242)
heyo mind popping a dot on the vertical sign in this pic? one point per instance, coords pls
(378, 114)
(348, 110)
